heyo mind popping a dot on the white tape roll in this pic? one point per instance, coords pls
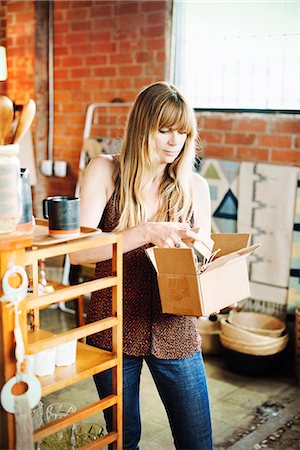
(33, 393)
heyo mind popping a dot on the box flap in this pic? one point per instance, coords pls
(174, 261)
(226, 259)
(230, 242)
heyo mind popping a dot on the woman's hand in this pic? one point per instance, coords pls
(169, 234)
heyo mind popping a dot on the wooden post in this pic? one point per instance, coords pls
(12, 250)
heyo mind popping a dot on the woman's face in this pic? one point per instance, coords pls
(168, 144)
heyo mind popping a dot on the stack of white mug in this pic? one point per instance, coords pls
(44, 362)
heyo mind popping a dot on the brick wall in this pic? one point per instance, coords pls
(273, 138)
(106, 50)
(19, 39)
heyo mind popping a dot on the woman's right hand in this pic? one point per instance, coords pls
(169, 234)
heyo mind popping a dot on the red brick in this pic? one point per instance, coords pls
(72, 61)
(286, 156)
(131, 70)
(67, 84)
(80, 26)
(157, 17)
(153, 5)
(155, 44)
(105, 71)
(128, 36)
(121, 58)
(142, 57)
(62, 74)
(287, 126)
(79, 49)
(23, 17)
(94, 84)
(100, 36)
(252, 154)
(100, 10)
(105, 47)
(96, 60)
(239, 138)
(154, 31)
(251, 125)
(131, 46)
(119, 82)
(142, 81)
(217, 123)
(77, 14)
(211, 136)
(297, 142)
(107, 24)
(126, 7)
(81, 73)
(75, 38)
(61, 51)
(219, 151)
(274, 141)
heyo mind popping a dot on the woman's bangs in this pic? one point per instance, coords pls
(176, 117)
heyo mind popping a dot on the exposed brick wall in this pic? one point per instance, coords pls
(20, 43)
(273, 138)
(105, 50)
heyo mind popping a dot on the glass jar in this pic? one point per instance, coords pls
(10, 188)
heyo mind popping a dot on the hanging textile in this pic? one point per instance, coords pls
(267, 206)
(222, 177)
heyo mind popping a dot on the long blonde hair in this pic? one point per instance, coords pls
(158, 106)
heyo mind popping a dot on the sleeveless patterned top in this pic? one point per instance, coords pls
(146, 330)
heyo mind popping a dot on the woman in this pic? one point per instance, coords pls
(151, 195)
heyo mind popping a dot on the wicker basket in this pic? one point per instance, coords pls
(262, 349)
(263, 324)
(210, 334)
(243, 336)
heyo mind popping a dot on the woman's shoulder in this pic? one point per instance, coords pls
(198, 181)
(100, 175)
(103, 163)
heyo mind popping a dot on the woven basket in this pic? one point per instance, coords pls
(244, 336)
(263, 324)
(255, 349)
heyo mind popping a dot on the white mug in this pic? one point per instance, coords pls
(44, 362)
(47, 167)
(66, 353)
(60, 168)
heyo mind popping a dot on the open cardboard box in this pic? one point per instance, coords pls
(185, 291)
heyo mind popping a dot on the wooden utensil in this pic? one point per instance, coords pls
(6, 117)
(25, 120)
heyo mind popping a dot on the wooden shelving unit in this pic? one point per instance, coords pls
(89, 360)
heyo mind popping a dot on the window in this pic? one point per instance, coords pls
(238, 54)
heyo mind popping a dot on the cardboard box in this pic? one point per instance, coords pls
(185, 291)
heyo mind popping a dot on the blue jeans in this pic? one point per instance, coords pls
(183, 390)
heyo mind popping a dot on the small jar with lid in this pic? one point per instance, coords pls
(10, 188)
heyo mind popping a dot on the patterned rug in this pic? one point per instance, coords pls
(293, 300)
(222, 177)
(267, 207)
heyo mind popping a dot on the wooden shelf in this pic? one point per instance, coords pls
(89, 360)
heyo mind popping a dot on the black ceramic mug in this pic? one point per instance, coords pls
(63, 214)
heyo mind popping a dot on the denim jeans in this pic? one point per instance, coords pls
(183, 390)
